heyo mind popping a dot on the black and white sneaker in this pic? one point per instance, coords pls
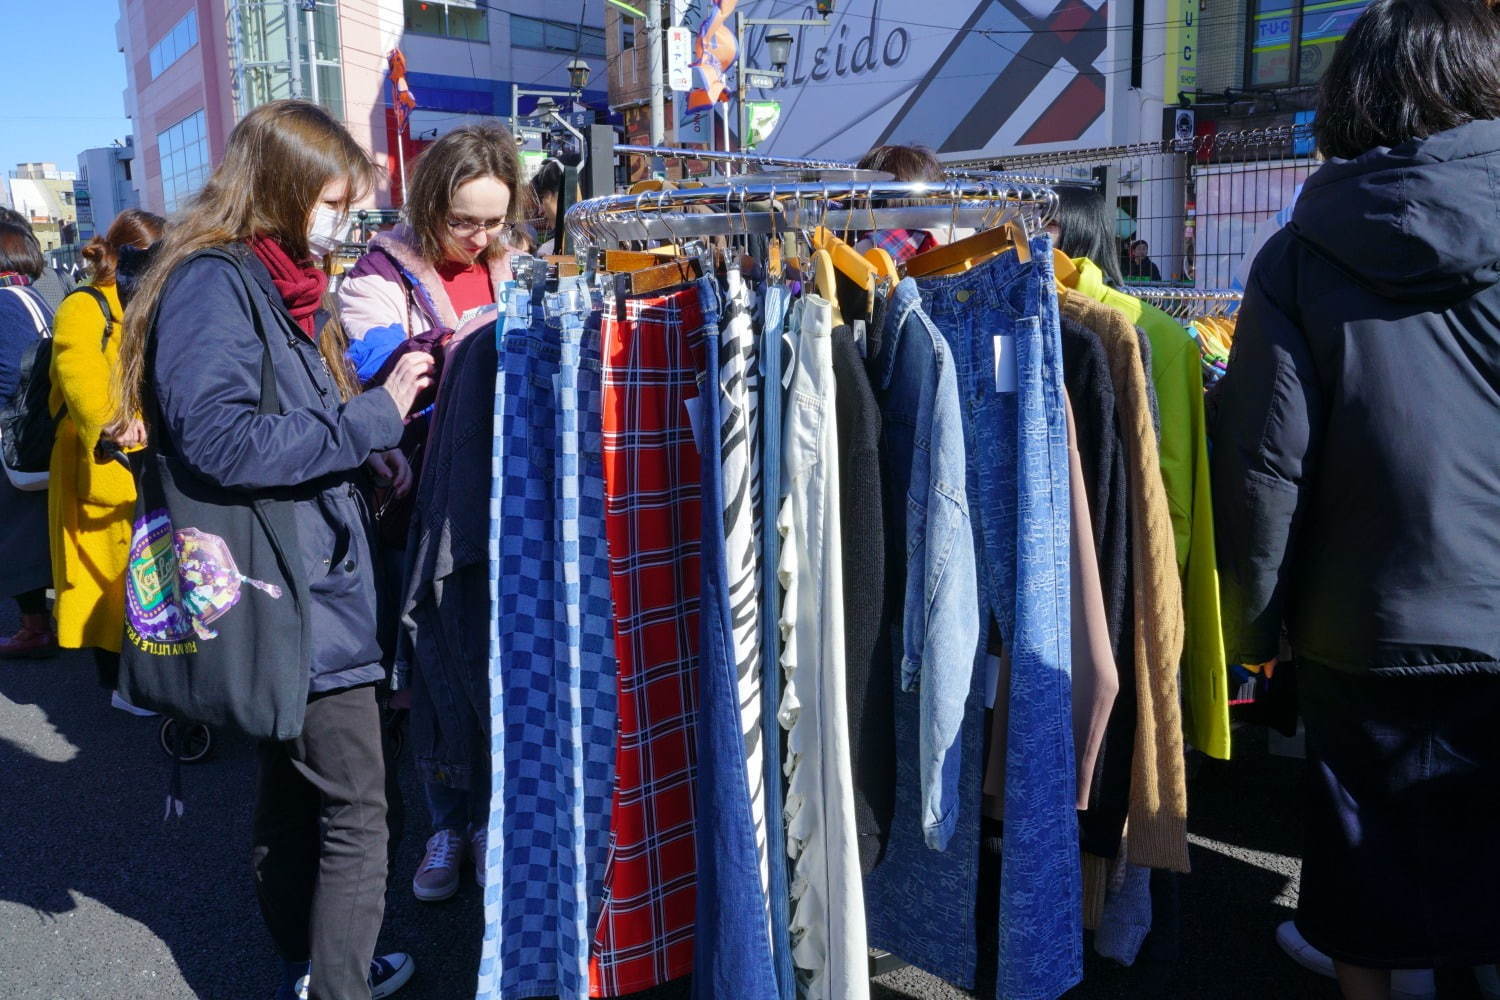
(388, 973)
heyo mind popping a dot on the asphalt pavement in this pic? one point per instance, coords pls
(100, 900)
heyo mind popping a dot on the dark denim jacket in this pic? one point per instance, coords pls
(204, 360)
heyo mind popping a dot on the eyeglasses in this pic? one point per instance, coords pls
(464, 228)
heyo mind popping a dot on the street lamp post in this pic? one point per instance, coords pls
(578, 75)
(780, 45)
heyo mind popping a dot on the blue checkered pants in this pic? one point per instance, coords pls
(552, 670)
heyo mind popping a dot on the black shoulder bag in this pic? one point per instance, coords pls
(216, 623)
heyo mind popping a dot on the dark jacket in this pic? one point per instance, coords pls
(446, 605)
(869, 601)
(204, 360)
(1356, 460)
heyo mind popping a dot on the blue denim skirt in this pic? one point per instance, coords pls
(1401, 868)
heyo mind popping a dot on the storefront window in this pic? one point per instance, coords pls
(1292, 42)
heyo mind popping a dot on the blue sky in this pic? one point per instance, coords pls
(64, 80)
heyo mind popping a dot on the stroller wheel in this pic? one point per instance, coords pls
(189, 742)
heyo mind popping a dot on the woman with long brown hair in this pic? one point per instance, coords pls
(414, 289)
(191, 364)
(90, 504)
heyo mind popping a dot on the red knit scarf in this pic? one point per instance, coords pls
(301, 285)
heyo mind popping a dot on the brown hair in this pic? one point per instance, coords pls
(19, 251)
(333, 345)
(467, 153)
(131, 228)
(906, 163)
(277, 162)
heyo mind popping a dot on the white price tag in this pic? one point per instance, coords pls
(1005, 363)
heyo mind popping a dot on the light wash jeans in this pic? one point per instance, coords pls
(1001, 320)
(828, 912)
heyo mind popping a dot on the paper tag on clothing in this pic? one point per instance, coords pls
(1005, 363)
(694, 407)
(859, 337)
(470, 314)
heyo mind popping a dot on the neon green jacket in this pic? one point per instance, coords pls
(1178, 377)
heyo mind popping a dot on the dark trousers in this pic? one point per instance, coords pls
(320, 842)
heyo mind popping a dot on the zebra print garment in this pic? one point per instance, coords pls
(739, 436)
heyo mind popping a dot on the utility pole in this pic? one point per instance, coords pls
(309, 9)
(658, 84)
(293, 47)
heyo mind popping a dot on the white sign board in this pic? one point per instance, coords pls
(964, 77)
(679, 59)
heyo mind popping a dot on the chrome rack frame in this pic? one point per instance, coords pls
(757, 159)
(743, 209)
(1179, 293)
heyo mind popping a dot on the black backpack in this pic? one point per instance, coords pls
(28, 425)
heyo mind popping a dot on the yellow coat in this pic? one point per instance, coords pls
(90, 505)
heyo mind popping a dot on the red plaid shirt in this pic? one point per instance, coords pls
(652, 515)
(903, 243)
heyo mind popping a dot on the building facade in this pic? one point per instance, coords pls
(1262, 60)
(105, 187)
(195, 66)
(45, 196)
(968, 78)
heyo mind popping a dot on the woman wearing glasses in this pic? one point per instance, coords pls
(419, 286)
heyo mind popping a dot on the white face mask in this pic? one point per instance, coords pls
(327, 232)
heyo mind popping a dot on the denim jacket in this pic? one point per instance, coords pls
(917, 386)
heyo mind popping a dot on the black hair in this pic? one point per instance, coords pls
(1086, 228)
(13, 217)
(1409, 69)
(19, 251)
(547, 182)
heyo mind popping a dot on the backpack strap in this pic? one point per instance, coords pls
(103, 303)
(40, 317)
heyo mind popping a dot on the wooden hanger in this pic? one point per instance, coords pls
(625, 261)
(773, 258)
(885, 264)
(850, 264)
(677, 271)
(960, 256)
(825, 281)
(566, 264)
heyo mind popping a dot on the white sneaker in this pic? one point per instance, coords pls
(437, 876)
(117, 700)
(478, 850)
(1406, 984)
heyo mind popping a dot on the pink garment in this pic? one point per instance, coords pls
(1096, 678)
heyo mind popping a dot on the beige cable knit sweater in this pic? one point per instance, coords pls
(1158, 787)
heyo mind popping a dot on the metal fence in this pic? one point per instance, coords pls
(1202, 206)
